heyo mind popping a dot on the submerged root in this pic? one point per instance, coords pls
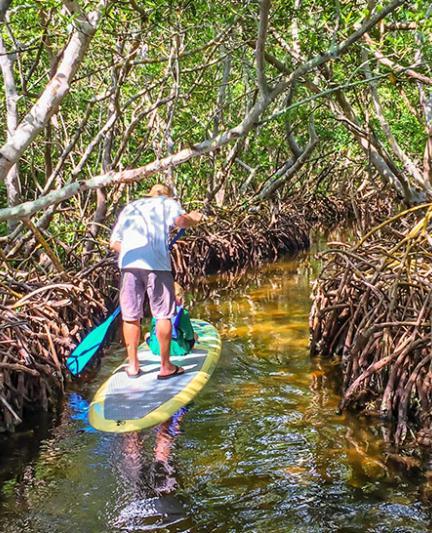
(373, 307)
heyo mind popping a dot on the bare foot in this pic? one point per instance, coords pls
(170, 369)
(132, 371)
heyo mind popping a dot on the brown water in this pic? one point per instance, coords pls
(262, 448)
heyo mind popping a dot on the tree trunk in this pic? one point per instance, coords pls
(12, 178)
(56, 89)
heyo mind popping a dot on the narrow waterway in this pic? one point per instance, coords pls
(262, 449)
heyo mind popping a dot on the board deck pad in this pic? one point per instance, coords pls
(130, 404)
(125, 399)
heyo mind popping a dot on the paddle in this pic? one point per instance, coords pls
(90, 345)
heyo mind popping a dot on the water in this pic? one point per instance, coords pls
(262, 449)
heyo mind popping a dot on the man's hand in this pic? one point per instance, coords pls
(190, 219)
(116, 246)
(196, 216)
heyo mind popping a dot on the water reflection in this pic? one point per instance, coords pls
(149, 483)
(77, 409)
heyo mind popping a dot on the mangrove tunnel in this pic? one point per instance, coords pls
(292, 141)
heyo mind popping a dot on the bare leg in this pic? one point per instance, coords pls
(163, 334)
(131, 334)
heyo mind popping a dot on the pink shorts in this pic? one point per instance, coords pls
(157, 284)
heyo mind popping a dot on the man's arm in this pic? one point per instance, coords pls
(117, 232)
(188, 219)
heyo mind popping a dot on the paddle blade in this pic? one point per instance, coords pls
(89, 346)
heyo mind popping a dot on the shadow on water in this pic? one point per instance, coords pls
(262, 449)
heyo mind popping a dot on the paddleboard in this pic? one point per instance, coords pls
(125, 404)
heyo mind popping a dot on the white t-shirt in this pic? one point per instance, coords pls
(143, 230)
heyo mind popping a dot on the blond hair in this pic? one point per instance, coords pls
(161, 190)
(179, 291)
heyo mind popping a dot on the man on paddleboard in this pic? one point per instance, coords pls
(141, 239)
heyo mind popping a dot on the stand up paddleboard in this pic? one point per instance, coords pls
(131, 404)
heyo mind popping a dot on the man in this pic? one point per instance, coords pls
(141, 238)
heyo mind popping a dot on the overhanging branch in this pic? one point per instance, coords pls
(27, 209)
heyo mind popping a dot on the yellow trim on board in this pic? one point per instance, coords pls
(210, 341)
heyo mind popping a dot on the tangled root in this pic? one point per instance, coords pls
(373, 307)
